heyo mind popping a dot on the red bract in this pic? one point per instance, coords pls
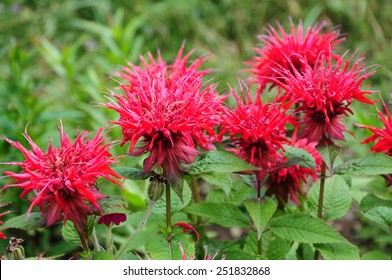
(169, 108)
(286, 183)
(283, 49)
(64, 178)
(325, 92)
(258, 130)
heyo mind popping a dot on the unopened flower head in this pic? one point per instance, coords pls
(281, 49)
(170, 109)
(325, 92)
(64, 178)
(258, 131)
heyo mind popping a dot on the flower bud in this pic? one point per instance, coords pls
(15, 250)
(156, 188)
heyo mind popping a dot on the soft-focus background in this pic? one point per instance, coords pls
(57, 60)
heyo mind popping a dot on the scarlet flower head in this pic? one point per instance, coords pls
(382, 137)
(258, 131)
(283, 49)
(170, 109)
(64, 178)
(325, 92)
(286, 183)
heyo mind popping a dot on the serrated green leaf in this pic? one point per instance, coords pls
(337, 199)
(176, 203)
(372, 164)
(222, 180)
(297, 156)
(70, 234)
(306, 229)
(261, 212)
(218, 161)
(25, 222)
(113, 204)
(371, 201)
(102, 255)
(338, 251)
(381, 215)
(133, 173)
(158, 247)
(224, 214)
(328, 152)
(273, 247)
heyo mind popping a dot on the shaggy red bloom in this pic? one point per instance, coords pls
(283, 49)
(286, 183)
(169, 108)
(259, 131)
(325, 92)
(64, 178)
(381, 137)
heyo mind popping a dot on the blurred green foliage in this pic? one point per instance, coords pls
(58, 58)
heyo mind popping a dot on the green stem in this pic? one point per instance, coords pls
(321, 194)
(196, 198)
(83, 241)
(109, 239)
(139, 228)
(97, 247)
(195, 190)
(259, 248)
(168, 210)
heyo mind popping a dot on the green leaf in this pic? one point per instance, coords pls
(224, 214)
(102, 255)
(297, 156)
(222, 180)
(371, 201)
(376, 255)
(26, 222)
(70, 234)
(113, 204)
(306, 229)
(133, 173)
(338, 251)
(159, 248)
(372, 164)
(305, 251)
(328, 152)
(381, 215)
(218, 161)
(273, 247)
(178, 187)
(261, 212)
(176, 203)
(337, 199)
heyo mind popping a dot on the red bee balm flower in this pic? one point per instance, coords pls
(258, 131)
(382, 137)
(284, 49)
(325, 92)
(64, 177)
(286, 183)
(170, 109)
